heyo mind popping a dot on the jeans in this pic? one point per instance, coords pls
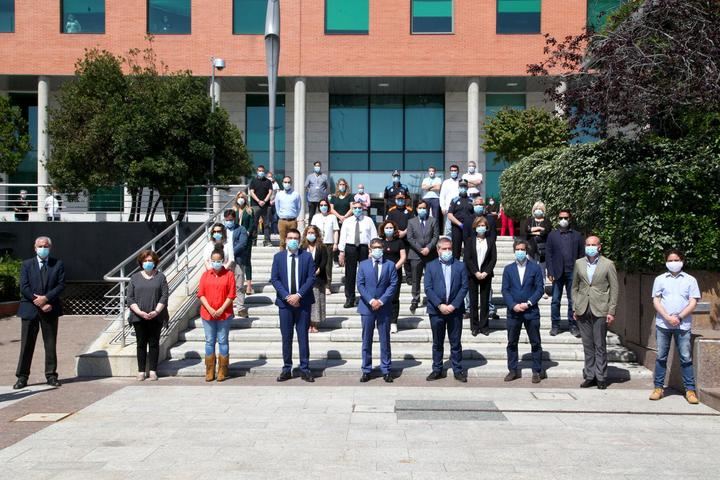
(562, 282)
(683, 342)
(217, 331)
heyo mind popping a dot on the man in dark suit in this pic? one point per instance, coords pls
(422, 236)
(42, 280)
(522, 289)
(446, 286)
(377, 282)
(293, 276)
(480, 258)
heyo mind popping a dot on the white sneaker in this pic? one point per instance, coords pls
(393, 328)
(140, 376)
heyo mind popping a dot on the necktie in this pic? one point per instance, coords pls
(43, 274)
(377, 271)
(422, 227)
(357, 233)
(293, 269)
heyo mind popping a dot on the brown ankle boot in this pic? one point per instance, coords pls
(210, 368)
(223, 363)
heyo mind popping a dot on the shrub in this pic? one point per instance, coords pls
(9, 278)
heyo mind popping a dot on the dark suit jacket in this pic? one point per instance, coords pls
(435, 287)
(418, 238)
(31, 283)
(279, 279)
(321, 254)
(554, 259)
(471, 261)
(532, 288)
(369, 288)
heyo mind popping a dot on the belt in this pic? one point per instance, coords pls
(289, 219)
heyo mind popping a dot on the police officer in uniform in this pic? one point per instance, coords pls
(400, 213)
(393, 189)
(461, 213)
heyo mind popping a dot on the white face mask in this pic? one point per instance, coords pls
(674, 266)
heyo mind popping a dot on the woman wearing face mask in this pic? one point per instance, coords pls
(480, 256)
(394, 251)
(218, 239)
(362, 197)
(537, 228)
(244, 216)
(216, 293)
(330, 229)
(148, 297)
(313, 244)
(340, 201)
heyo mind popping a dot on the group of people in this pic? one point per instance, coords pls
(53, 206)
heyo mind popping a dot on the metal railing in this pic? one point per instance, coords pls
(179, 260)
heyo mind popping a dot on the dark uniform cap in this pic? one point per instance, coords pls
(463, 183)
(396, 172)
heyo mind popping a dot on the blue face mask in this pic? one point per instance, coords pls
(323, 208)
(453, 175)
(217, 236)
(422, 212)
(216, 265)
(591, 251)
(520, 255)
(389, 232)
(481, 230)
(538, 213)
(478, 209)
(261, 174)
(377, 253)
(446, 256)
(357, 212)
(42, 252)
(229, 224)
(311, 237)
(361, 191)
(462, 191)
(148, 266)
(293, 244)
(400, 203)
(287, 186)
(316, 169)
(396, 179)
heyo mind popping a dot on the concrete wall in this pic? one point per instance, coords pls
(456, 117)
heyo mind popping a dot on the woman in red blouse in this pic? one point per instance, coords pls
(216, 294)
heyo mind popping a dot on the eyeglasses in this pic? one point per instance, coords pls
(217, 231)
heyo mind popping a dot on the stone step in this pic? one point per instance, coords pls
(337, 309)
(338, 298)
(194, 367)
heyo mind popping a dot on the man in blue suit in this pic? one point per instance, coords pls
(377, 282)
(522, 289)
(292, 276)
(446, 285)
(42, 280)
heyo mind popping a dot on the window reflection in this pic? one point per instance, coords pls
(83, 16)
(169, 17)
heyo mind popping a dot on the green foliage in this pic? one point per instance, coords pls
(514, 134)
(14, 137)
(9, 278)
(641, 198)
(622, 13)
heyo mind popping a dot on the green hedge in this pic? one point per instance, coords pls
(639, 197)
(9, 279)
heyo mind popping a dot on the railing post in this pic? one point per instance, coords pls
(177, 243)
(187, 278)
(122, 304)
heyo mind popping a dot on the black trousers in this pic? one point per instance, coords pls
(353, 255)
(407, 267)
(479, 317)
(312, 208)
(457, 241)
(264, 213)
(396, 299)
(147, 334)
(418, 266)
(28, 337)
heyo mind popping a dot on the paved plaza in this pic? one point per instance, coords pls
(154, 431)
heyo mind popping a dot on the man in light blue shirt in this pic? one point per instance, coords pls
(675, 296)
(287, 206)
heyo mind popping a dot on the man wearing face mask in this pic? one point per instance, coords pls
(393, 189)
(522, 289)
(446, 287)
(595, 295)
(316, 188)
(479, 210)
(287, 205)
(362, 197)
(355, 236)
(448, 192)
(377, 282)
(461, 213)
(431, 186)
(401, 213)
(22, 207)
(261, 189)
(423, 232)
(474, 180)
(293, 277)
(42, 280)
(238, 240)
(562, 248)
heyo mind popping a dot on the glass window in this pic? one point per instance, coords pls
(7, 16)
(347, 16)
(82, 16)
(168, 17)
(598, 11)
(494, 102)
(424, 123)
(349, 123)
(432, 16)
(518, 16)
(386, 124)
(257, 136)
(249, 17)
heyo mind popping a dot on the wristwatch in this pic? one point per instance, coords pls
(529, 304)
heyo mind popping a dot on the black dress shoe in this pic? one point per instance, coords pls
(485, 331)
(474, 332)
(284, 376)
(536, 378)
(388, 378)
(601, 385)
(365, 378)
(553, 331)
(53, 382)
(413, 307)
(513, 375)
(20, 384)
(495, 316)
(349, 304)
(308, 377)
(575, 331)
(434, 376)
(589, 382)
(461, 377)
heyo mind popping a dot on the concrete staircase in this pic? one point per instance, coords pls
(255, 342)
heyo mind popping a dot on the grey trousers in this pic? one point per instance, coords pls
(593, 331)
(239, 287)
(317, 310)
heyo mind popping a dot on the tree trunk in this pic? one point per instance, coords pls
(154, 208)
(138, 204)
(133, 204)
(183, 209)
(150, 208)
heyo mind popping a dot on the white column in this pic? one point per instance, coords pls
(473, 121)
(559, 110)
(299, 145)
(43, 143)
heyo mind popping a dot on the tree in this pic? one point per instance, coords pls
(514, 134)
(14, 138)
(657, 62)
(150, 128)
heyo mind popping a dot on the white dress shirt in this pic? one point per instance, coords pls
(297, 270)
(481, 248)
(347, 232)
(521, 270)
(448, 191)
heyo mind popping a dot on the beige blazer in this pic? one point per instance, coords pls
(602, 294)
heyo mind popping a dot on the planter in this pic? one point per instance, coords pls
(9, 308)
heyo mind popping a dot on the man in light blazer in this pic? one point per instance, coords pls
(42, 280)
(522, 289)
(446, 285)
(422, 236)
(595, 296)
(293, 276)
(377, 282)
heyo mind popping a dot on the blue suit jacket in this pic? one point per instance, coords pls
(554, 260)
(369, 288)
(31, 283)
(279, 279)
(435, 287)
(532, 288)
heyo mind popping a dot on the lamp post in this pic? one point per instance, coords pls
(219, 64)
(272, 58)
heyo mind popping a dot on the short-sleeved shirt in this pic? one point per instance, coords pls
(341, 205)
(316, 186)
(216, 288)
(475, 178)
(261, 187)
(400, 215)
(328, 225)
(391, 192)
(432, 182)
(462, 209)
(392, 248)
(675, 292)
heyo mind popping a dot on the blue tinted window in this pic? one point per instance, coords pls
(386, 123)
(257, 134)
(168, 17)
(82, 16)
(7, 16)
(518, 16)
(432, 16)
(249, 17)
(424, 120)
(348, 123)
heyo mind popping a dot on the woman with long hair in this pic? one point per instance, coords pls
(313, 243)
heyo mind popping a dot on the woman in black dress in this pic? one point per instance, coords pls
(313, 243)
(393, 250)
